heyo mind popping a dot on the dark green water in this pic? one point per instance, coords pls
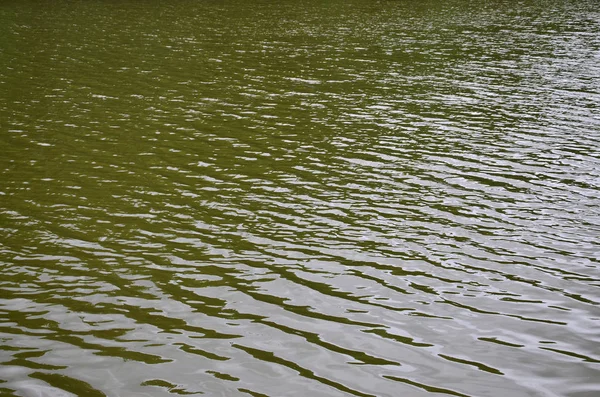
(300, 198)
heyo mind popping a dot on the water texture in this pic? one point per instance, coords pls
(299, 198)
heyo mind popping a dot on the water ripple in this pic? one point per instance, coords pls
(351, 198)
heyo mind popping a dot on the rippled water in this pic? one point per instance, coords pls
(300, 198)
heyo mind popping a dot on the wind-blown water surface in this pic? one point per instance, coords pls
(299, 198)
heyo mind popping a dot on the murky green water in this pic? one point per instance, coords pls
(300, 198)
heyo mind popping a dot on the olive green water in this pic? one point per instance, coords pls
(300, 198)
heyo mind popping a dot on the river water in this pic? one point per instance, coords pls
(300, 198)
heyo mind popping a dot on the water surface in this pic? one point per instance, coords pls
(299, 198)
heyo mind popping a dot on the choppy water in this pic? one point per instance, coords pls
(300, 198)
